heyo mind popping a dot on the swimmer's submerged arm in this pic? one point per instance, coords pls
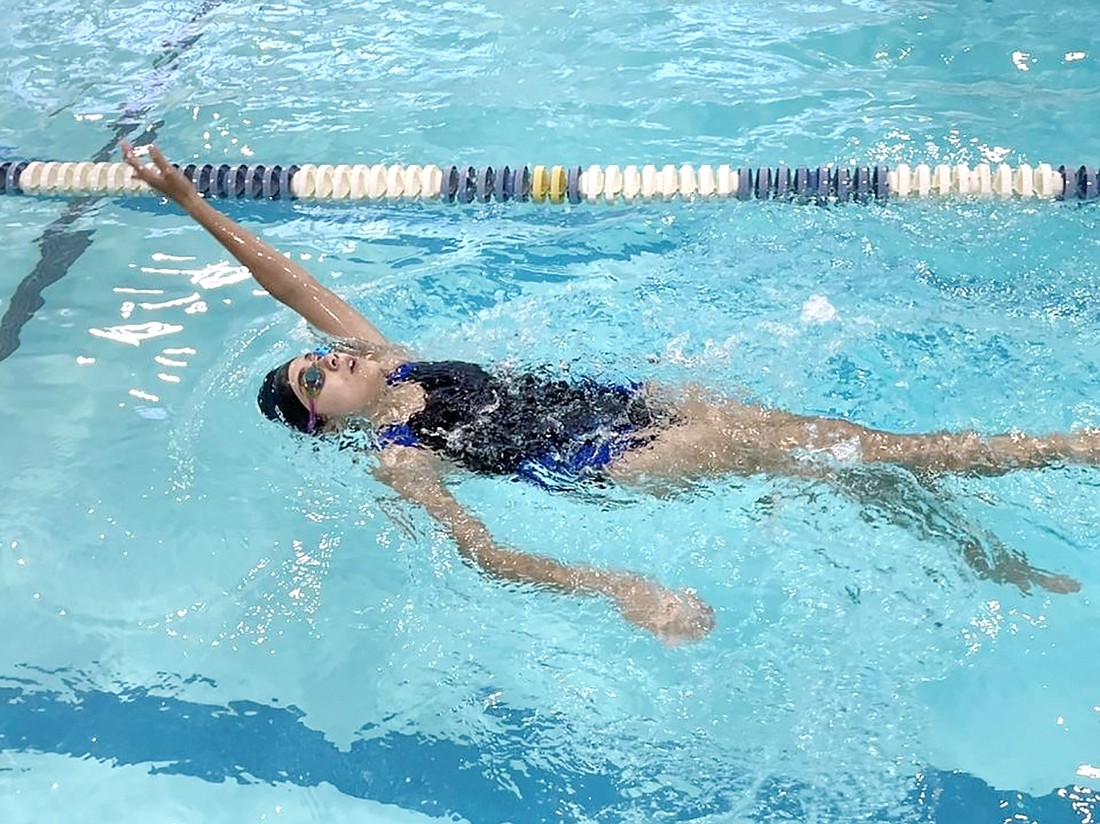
(283, 279)
(675, 617)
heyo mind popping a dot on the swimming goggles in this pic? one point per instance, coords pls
(311, 380)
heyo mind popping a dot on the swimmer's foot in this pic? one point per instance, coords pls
(1013, 568)
(674, 616)
(1030, 578)
(1052, 582)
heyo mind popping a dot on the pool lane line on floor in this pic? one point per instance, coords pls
(439, 776)
(60, 245)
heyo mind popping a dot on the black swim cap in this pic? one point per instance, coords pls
(279, 403)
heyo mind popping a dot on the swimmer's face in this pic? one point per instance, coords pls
(342, 385)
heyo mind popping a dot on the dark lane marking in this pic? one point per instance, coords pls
(60, 245)
(249, 742)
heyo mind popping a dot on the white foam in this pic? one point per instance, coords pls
(818, 309)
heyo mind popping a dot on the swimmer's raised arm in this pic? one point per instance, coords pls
(283, 279)
(673, 616)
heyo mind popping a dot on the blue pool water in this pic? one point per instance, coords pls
(205, 620)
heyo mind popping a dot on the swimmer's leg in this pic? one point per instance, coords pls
(903, 499)
(958, 453)
(715, 438)
(973, 454)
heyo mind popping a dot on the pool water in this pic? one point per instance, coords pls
(210, 620)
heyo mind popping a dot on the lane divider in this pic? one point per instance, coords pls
(569, 184)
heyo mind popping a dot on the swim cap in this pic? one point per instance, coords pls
(279, 403)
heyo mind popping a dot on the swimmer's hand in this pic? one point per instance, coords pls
(674, 616)
(160, 175)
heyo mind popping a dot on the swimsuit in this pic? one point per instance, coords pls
(540, 428)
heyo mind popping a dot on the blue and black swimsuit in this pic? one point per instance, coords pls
(528, 424)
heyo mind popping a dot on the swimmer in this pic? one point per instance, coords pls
(429, 417)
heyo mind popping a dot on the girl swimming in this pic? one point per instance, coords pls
(428, 417)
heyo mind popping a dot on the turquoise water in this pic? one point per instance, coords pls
(208, 620)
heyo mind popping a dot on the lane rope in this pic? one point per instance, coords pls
(561, 184)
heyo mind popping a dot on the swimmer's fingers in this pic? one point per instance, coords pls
(691, 618)
(131, 157)
(159, 159)
(160, 175)
(676, 617)
(142, 171)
